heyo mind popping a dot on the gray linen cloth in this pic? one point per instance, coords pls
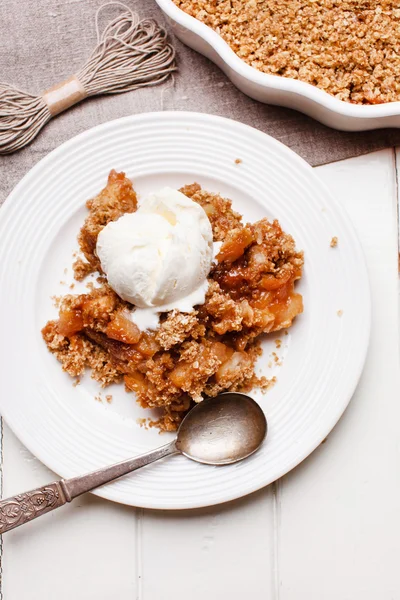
(45, 41)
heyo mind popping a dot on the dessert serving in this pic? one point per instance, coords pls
(348, 48)
(185, 290)
(251, 288)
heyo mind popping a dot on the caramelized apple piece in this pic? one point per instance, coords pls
(121, 328)
(184, 373)
(122, 353)
(247, 313)
(70, 321)
(136, 382)
(264, 318)
(95, 309)
(263, 300)
(221, 351)
(257, 257)
(209, 209)
(232, 368)
(283, 293)
(181, 376)
(235, 244)
(147, 344)
(270, 282)
(285, 312)
(233, 279)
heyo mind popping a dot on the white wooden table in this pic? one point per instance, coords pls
(330, 530)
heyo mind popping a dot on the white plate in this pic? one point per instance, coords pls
(274, 89)
(323, 354)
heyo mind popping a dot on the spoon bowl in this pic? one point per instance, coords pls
(222, 430)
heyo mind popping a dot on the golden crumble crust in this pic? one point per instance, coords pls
(117, 198)
(349, 48)
(218, 210)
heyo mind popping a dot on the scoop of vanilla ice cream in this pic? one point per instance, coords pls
(160, 254)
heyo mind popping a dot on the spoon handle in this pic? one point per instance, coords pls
(22, 508)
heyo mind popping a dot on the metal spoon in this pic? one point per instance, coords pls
(218, 431)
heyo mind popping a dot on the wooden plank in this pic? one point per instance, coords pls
(339, 533)
(219, 552)
(397, 167)
(85, 550)
(1, 496)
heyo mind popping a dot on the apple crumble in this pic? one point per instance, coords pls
(349, 48)
(190, 355)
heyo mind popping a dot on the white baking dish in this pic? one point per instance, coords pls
(273, 89)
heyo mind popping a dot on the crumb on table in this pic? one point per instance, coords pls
(339, 313)
(238, 161)
(278, 343)
(334, 242)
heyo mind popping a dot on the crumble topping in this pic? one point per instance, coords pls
(349, 48)
(117, 198)
(212, 349)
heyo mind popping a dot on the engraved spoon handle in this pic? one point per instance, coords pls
(22, 508)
